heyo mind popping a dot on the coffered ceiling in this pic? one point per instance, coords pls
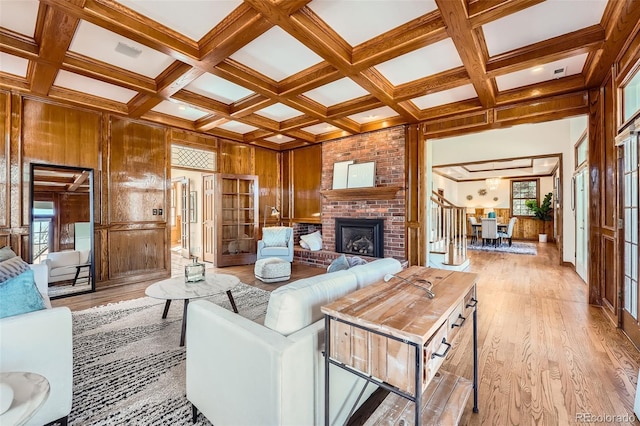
(284, 73)
(514, 168)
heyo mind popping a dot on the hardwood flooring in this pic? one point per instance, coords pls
(546, 357)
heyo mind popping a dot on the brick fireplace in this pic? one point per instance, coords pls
(387, 149)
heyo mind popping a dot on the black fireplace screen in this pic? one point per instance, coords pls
(364, 237)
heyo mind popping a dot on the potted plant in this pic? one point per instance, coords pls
(542, 212)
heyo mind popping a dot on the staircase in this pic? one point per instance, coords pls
(448, 235)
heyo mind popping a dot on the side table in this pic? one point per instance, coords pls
(30, 391)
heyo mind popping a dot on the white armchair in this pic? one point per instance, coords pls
(41, 342)
(277, 241)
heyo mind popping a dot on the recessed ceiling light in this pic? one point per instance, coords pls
(278, 136)
(537, 69)
(127, 50)
(182, 107)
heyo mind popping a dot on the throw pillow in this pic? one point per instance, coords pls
(275, 236)
(313, 240)
(12, 268)
(304, 245)
(355, 261)
(339, 264)
(6, 253)
(19, 295)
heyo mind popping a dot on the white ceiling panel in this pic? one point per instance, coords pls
(373, 115)
(540, 22)
(359, 21)
(80, 83)
(19, 16)
(446, 97)
(98, 43)
(279, 139)
(277, 55)
(180, 110)
(279, 112)
(541, 73)
(217, 88)
(237, 127)
(13, 64)
(193, 18)
(435, 58)
(334, 93)
(320, 128)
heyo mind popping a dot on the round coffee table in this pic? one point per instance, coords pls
(30, 391)
(176, 288)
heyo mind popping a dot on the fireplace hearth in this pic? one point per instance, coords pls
(363, 237)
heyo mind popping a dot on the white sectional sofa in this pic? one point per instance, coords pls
(41, 342)
(240, 372)
(61, 265)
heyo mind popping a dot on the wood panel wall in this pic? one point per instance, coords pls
(267, 168)
(5, 116)
(305, 184)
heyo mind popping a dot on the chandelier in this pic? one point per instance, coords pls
(492, 183)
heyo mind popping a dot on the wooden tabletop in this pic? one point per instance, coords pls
(391, 307)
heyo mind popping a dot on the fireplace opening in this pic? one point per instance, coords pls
(363, 237)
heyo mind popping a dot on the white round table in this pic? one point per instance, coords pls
(176, 288)
(30, 391)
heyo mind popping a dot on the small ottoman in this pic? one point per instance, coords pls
(272, 269)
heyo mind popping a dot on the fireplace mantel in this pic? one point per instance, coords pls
(372, 193)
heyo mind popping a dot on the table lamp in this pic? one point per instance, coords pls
(274, 212)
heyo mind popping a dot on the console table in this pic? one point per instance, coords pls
(394, 335)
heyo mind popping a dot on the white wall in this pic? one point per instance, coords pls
(553, 137)
(195, 183)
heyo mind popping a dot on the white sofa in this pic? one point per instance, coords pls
(61, 265)
(243, 373)
(41, 342)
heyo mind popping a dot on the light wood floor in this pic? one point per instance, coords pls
(546, 356)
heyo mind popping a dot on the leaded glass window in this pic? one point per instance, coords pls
(192, 158)
(521, 191)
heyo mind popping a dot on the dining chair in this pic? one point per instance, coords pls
(474, 228)
(490, 230)
(509, 231)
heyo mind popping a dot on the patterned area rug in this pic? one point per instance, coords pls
(128, 365)
(518, 248)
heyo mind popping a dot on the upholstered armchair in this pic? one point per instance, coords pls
(509, 232)
(277, 241)
(490, 230)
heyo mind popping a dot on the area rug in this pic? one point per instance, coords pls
(68, 288)
(128, 365)
(518, 248)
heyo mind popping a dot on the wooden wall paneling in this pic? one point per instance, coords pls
(192, 139)
(610, 158)
(136, 251)
(236, 158)
(137, 172)
(267, 168)
(595, 189)
(57, 134)
(73, 207)
(413, 164)
(307, 177)
(610, 291)
(286, 184)
(5, 125)
(16, 175)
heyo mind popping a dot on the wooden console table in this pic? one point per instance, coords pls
(394, 335)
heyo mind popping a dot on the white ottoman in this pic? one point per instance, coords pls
(272, 269)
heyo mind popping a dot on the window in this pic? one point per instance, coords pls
(521, 191)
(631, 95)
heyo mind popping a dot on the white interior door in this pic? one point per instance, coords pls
(581, 192)
(185, 238)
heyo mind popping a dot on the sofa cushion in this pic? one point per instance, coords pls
(374, 271)
(297, 305)
(12, 268)
(355, 261)
(313, 240)
(83, 256)
(339, 264)
(19, 295)
(64, 258)
(276, 236)
(6, 253)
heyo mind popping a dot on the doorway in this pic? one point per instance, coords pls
(581, 203)
(180, 216)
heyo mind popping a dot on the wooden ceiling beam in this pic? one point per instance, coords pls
(575, 43)
(94, 102)
(619, 19)
(425, 86)
(485, 11)
(57, 33)
(18, 45)
(210, 122)
(81, 179)
(309, 79)
(454, 14)
(560, 86)
(354, 106)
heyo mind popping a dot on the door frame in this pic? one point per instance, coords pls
(185, 231)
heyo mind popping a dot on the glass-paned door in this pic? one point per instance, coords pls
(42, 237)
(629, 210)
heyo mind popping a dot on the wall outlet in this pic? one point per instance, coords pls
(160, 212)
(155, 212)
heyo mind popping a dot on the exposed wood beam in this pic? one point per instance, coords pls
(442, 81)
(483, 12)
(461, 32)
(82, 178)
(560, 86)
(18, 45)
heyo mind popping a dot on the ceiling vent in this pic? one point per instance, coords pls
(560, 72)
(127, 50)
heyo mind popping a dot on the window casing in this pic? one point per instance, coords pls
(521, 191)
(631, 94)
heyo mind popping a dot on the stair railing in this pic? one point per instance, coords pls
(449, 228)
